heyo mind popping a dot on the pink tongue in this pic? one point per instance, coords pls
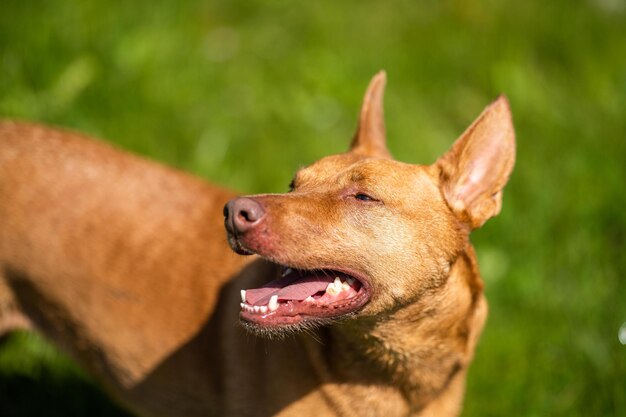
(286, 290)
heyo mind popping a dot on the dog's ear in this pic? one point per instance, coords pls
(369, 139)
(474, 171)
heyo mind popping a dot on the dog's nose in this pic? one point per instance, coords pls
(242, 214)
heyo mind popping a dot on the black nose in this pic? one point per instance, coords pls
(242, 214)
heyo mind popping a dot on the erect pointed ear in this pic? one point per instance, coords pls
(474, 171)
(369, 139)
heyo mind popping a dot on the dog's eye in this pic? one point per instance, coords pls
(364, 197)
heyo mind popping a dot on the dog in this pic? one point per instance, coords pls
(361, 280)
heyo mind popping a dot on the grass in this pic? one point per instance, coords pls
(243, 93)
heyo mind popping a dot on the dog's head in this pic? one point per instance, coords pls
(359, 233)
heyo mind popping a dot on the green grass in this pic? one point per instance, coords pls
(36, 380)
(243, 93)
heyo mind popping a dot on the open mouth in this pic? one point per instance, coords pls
(303, 296)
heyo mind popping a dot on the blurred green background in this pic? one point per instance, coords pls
(245, 92)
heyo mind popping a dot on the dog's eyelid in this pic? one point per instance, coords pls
(361, 196)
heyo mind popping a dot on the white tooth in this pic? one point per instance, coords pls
(263, 309)
(350, 280)
(337, 282)
(309, 299)
(243, 296)
(345, 286)
(273, 304)
(287, 271)
(331, 289)
(242, 305)
(257, 309)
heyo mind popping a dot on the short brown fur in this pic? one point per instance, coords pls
(124, 264)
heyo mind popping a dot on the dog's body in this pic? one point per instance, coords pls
(124, 264)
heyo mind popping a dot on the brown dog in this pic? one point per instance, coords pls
(367, 262)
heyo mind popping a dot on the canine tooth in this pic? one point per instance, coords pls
(263, 309)
(243, 296)
(338, 284)
(287, 271)
(309, 299)
(273, 304)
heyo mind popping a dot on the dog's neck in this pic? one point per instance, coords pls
(420, 347)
